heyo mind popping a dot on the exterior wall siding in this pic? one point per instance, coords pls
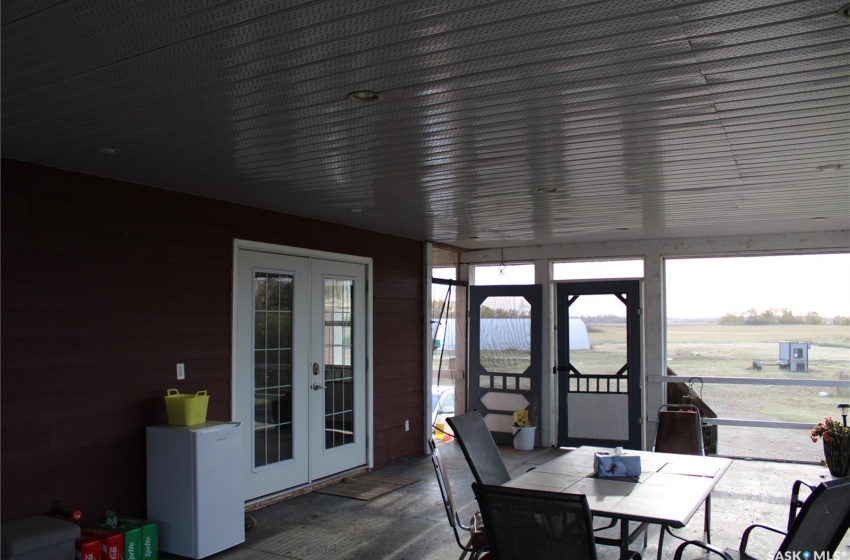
(107, 285)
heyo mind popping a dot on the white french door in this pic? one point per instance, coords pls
(337, 372)
(299, 368)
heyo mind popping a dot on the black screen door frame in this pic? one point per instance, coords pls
(629, 292)
(481, 381)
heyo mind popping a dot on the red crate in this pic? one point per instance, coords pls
(112, 542)
(88, 547)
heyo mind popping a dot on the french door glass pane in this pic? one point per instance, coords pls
(272, 368)
(338, 347)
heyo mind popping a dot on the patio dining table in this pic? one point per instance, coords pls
(669, 490)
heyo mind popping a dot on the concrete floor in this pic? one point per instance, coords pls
(410, 523)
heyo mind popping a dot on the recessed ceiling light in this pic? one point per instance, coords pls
(364, 96)
(547, 190)
(819, 218)
(106, 150)
(356, 210)
(830, 167)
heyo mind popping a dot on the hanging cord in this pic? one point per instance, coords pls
(443, 311)
(446, 305)
(440, 318)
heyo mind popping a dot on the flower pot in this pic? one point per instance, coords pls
(523, 438)
(836, 451)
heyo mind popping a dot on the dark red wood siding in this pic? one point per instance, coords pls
(107, 285)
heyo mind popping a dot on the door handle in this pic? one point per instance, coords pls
(317, 387)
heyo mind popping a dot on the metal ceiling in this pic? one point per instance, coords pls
(499, 123)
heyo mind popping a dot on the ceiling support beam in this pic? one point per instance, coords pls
(786, 243)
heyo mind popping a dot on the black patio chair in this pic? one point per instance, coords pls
(796, 502)
(478, 447)
(483, 455)
(819, 526)
(524, 523)
(475, 538)
(680, 431)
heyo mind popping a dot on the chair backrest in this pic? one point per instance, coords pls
(532, 524)
(679, 430)
(823, 520)
(478, 447)
(445, 490)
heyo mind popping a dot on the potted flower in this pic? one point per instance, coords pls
(836, 444)
(524, 429)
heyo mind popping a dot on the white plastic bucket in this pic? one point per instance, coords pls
(523, 438)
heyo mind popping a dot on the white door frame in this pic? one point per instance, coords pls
(243, 244)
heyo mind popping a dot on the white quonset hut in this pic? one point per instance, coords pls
(508, 334)
(578, 335)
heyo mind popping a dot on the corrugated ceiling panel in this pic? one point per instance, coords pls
(674, 118)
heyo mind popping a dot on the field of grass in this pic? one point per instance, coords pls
(729, 351)
(696, 350)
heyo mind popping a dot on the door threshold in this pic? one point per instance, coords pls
(264, 501)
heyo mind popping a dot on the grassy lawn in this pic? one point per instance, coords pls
(695, 350)
(729, 351)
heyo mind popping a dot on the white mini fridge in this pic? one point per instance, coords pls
(195, 491)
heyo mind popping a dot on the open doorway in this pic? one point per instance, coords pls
(447, 363)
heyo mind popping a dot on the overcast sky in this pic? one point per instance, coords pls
(712, 287)
(804, 283)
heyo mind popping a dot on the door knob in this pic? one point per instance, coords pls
(317, 387)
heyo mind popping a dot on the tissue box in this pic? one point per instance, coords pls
(607, 464)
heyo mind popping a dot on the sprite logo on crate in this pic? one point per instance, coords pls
(148, 537)
(150, 540)
(147, 547)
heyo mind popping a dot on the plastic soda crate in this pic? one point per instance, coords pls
(112, 542)
(148, 533)
(88, 548)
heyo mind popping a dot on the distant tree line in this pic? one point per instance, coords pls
(490, 313)
(437, 306)
(775, 316)
(603, 319)
(486, 312)
(772, 316)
